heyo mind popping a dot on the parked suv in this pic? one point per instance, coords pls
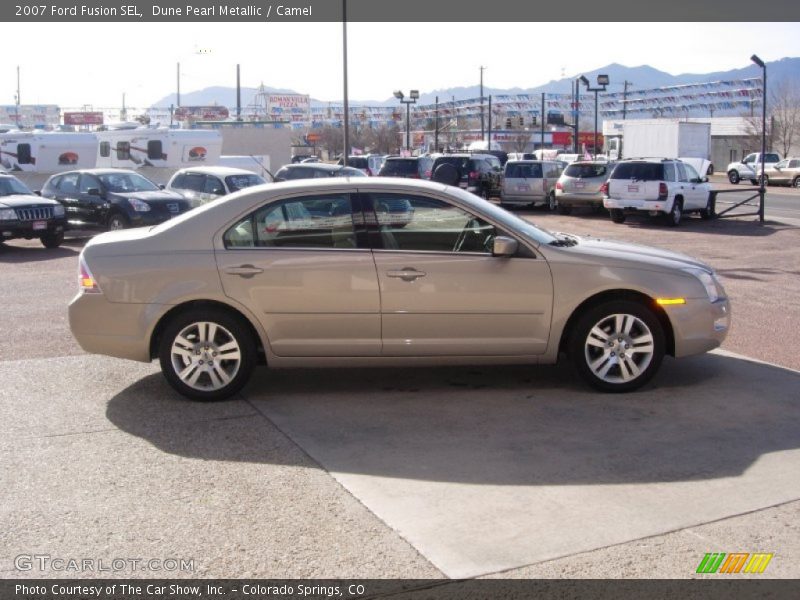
(480, 174)
(580, 183)
(25, 215)
(530, 182)
(203, 184)
(658, 186)
(113, 199)
(400, 166)
(750, 166)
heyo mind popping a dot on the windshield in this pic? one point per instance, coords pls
(239, 182)
(10, 186)
(127, 182)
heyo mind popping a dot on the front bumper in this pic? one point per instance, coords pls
(699, 325)
(29, 230)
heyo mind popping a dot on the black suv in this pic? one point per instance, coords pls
(400, 166)
(480, 174)
(25, 215)
(113, 199)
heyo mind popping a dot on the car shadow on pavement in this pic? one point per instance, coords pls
(25, 254)
(702, 418)
(737, 227)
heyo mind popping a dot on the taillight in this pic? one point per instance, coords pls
(662, 191)
(428, 174)
(473, 174)
(86, 281)
(604, 188)
(559, 186)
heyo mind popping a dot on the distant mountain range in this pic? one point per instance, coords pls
(642, 77)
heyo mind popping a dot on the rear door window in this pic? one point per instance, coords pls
(584, 170)
(524, 170)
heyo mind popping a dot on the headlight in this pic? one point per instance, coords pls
(7, 214)
(58, 211)
(709, 281)
(138, 205)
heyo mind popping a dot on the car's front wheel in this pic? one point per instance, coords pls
(733, 177)
(617, 215)
(52, 240)
(207, 355)
(617, 346)
(117, 221)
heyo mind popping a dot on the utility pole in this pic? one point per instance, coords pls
(346, 151)
(625, 98)
(483, 131)
(489, 144)
(436, 128)
(543, 118)
(178, 99)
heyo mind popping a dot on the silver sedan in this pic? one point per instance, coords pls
(325, 273)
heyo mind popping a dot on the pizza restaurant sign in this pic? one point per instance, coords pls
(289, 107)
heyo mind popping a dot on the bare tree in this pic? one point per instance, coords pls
(785, 110)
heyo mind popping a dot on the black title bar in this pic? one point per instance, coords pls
(599, 11)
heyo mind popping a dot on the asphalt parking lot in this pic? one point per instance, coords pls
(452, 472)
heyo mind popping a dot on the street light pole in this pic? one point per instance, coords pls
(483, 131)
(346, 140)
(413, 95)
(602, 83)
(577, 115)
(762, 189)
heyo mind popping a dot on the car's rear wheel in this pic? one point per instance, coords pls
(617, 346)
(52, 240)
(675, 215)
(796, 182)
(117, 221)
(754, 181)
(617, 215)
(764, 180)
(708, 212)
(733, 177)
(552, 202)
(207, 355)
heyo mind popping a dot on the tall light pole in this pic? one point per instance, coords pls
(346, 140)
(602, 83)
(577, 97)
(413, 96)
(761, 189)
(483, 131)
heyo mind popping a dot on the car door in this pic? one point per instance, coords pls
(689, 189)
(779, 172)
(442, 290)
(66, 192)
(310, 279)
(90, 201)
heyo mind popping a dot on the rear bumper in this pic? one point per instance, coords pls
(114, 329)
(637, 205)
(507, 198)
(576, 199)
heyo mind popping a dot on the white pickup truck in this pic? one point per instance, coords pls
(750, 167)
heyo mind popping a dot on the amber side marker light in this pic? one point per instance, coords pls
(670, 301)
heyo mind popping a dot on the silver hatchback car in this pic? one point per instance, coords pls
(321, 273)
(530, 182)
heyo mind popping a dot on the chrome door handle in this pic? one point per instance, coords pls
(407, 274)
(245, 271)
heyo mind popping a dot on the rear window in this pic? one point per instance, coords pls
(771, 158)
(357, 162)
(524, 170)
(400, 166)
(584, 170)
(459, 162)
(639, 171)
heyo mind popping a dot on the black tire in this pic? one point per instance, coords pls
(552, 202)
(564, 210)
(485, 194)
(585, 355)
(733, 177)
(228, 327)
(710, 170)
(675, 215)
(447, 174)
(754, 181)
(617, 215)
(796, 182)
(764, 180)
(116, 221)
(52, 240)
(709, 211)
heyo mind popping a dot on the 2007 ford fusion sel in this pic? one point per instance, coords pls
(331, 273)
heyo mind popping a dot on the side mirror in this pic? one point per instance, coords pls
(93, 191)
(38, 192)
(504, 246)
(161, 186)
(705, 179)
